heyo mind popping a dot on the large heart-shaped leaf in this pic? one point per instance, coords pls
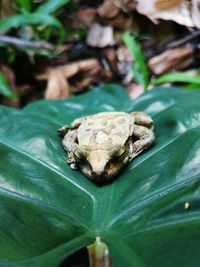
(48, 211)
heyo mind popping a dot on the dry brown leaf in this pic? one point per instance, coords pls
(81, 85)
(111, 56)
(181, 11)
(135, 90)
(93, 71)
(173, 59)
(122, 4)
(165, 4)
(131, 6)
(71, 69)
(108, 9)
(100, 36)
(84, 18)
(57, 86)
(122, 22)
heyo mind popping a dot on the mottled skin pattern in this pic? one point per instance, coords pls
(101, 144)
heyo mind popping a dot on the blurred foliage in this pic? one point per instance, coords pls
(5, 88)
(42, 28)
(30, 23)
(178, 77)
(34, 22)
(31, 19)
(141, 72)
(139, 67)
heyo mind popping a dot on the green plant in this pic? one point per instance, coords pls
(49, 211)
(30, 19)
(177, 77)
(51, 6)
(33, 23)
(141, 71)
(5, 89)
(139, 67)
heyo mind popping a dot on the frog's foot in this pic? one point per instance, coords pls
(145, 139)
(63, 130)
(143, 119)
(71, 161)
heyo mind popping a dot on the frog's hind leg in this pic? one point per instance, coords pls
(145, 138)
(70, 144)
(143, 119)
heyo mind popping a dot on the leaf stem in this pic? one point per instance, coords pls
(99, 255)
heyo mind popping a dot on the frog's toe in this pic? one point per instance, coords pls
(73, 166)
(63, 130)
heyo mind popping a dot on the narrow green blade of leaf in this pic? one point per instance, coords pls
(192, 86)
(178, 77)
(51, 6)
(139, 67)
(31, 19)
(5, 89)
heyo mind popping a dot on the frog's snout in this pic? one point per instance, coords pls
(98, 174)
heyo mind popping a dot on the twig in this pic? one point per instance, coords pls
(26, 44)
(184, 40)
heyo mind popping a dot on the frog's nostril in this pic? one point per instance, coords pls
(97, 173)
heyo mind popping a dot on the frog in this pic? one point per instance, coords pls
(100, 145)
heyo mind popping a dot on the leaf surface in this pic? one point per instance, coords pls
(49, 211)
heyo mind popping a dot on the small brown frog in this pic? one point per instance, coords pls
(102, 144)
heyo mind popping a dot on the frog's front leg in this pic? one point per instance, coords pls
(146, 138)
(70, 144)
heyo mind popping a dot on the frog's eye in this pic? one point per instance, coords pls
(78, 154)
(120, 152)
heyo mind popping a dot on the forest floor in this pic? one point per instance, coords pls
(54, 49)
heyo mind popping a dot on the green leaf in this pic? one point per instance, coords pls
(31, 19)
(178, 77)
(51, 6)
(139, 67)
(25, 5)
(192, 86)
(49, 211)
(5, 89)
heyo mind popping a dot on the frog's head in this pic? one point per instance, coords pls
(101, 164)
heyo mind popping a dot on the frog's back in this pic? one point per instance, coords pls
(103, 130)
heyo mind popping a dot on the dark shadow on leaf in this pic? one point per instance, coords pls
(78, 259)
